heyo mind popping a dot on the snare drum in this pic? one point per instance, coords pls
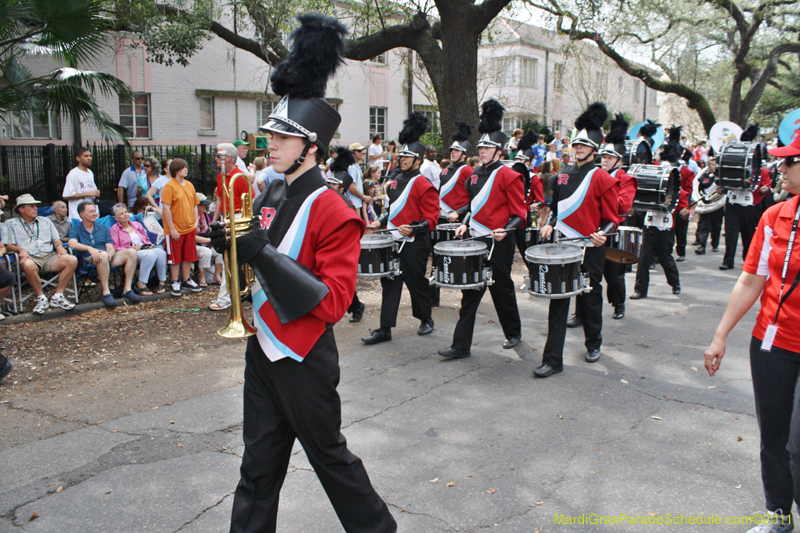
(460, 265)
(625, 246)
(446, 232)
(376, 259)
(533, 237)
(738, 164)
(659, 187)
(555, 271)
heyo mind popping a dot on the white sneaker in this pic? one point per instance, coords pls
(176, 288)
(41, 305)
(62, 302)
(773, 522)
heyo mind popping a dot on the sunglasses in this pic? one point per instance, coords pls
(147, 165)
(791, 160)
(138, 158)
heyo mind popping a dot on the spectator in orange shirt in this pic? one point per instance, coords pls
(179, 202)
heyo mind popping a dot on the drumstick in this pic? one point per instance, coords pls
(585, 238)
(387, 230)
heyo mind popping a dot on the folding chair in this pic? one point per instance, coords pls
(48, 279)
(11, 261)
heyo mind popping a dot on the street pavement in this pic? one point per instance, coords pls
(466, 445)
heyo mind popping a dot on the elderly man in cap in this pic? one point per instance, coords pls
(39, 246)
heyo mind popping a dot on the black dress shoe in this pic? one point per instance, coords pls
(715, 249)
(696, 243)
(574, 322)
(676, 290)
(619, 312)
(454, 353)
(652, 267)
(546, 370)
(725, 267)
(379, 335)
(637, 296)
(510, 343)
(6, 368)
(680, 258)
(426, 327)
(701, 250)
(592, 356)
(358, 313)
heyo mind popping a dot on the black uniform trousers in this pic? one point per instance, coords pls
(614, 274)
(503, 296)
(776, 385)
(355, 305)
(287, 400)
(681, 229)
(739, 219)
(656, 243)
(413, 265)
(589, 308)
(710, 224)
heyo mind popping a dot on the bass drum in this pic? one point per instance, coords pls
(555, 271)
(659, 187)
(739, 165)
(637, 152)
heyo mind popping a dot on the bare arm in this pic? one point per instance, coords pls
(745, 293)
(151, 196)
(167, 214)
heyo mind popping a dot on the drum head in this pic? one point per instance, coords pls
(554, 254)
(376, 241)
(448, 227)
(621, 256)
(459, 248)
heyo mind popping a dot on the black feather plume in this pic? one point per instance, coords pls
(670, 153)
(750, 134)
(317, 51)
(491, 116)
(527, 141)
(674, 134)
(649, 129)
(617, 130)
(593, 118)
(344, 158)
(463, 131)
(414, 127)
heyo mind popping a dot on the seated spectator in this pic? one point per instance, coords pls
(60, 218)
(141, 205)
(7, 283)
(205, 254)
(127, 233)
(94, 243)
(36, 241)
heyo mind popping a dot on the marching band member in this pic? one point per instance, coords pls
(709, 223)
(612, 156)
(496, 210)
(453, 197)
(742, 210)
(304, 250)
(584, 204)
(533, 186)
(658, 235)
(687, 185)
(412, 212)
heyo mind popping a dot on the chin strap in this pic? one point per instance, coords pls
(299, 161)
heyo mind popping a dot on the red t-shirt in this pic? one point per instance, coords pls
(242, 186)
(765, 258)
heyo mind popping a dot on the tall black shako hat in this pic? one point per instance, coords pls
(672, 151)
(750, 134)
(343, 160)
(524, 145)
(461, 137)
(615, 138)
(414, 127)
(590, 125)
(491, 125)
(317, 51)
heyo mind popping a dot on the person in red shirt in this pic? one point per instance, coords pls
(687, 186)
(771, 271)
(496, 209)
(226, 161)
(612, 156)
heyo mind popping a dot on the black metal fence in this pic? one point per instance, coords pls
(42, 170)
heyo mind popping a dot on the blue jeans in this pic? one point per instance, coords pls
(148, 259)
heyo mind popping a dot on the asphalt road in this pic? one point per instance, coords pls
(466, 445)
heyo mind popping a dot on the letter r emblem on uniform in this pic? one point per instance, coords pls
(563, 178)
(267, 214)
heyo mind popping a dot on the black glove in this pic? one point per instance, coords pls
(248, 246)
(219, 237)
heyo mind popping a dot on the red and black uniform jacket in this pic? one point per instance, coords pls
(413, 201)
(626, 191)
(585, 199)
(497, 195)
(452, 192)
(536, 193)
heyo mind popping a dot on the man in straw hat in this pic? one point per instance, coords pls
(40, 249)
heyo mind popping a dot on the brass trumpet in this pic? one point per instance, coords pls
(238, 327)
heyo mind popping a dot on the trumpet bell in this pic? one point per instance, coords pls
(236, 329)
